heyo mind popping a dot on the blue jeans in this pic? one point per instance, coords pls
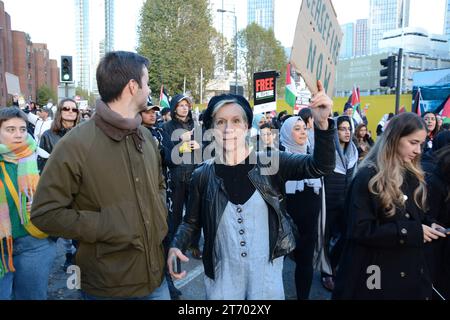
(33, 259)
(161, 293)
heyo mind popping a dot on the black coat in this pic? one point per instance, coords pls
(165, 146)
(208, 197)
(48, 142)
(185, 164)
(393, 244)
(439, 251)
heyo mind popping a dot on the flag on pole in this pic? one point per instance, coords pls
(446, 111)
(444, 108)
(291, 96)
(416, 107)
(356, 103)
(164, 98)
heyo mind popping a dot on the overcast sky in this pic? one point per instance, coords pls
(52, 22)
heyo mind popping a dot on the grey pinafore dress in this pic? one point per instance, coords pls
(243, 270)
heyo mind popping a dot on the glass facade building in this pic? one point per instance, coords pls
(386, 15)
(262, 12)
(361, 38)
(109, 25)
(94, 28)
(447, 20)
(348, 40)
(83, 45)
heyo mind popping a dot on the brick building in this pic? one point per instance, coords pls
(28, 61)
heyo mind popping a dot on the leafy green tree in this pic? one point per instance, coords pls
(85, 95)
(45, 94)
(259, 50)
(177, 36)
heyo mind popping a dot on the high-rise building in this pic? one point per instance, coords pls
(109, 25)
(386, 15)
(223, 22)
(94, 37)
(262, 12)
(447, 20)
(83, 44)
(361, 38)
(348, 40)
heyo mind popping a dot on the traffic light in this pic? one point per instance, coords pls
(66, 69)
(388, 72)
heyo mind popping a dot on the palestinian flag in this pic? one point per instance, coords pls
(444, 108)
(164, 99)
(356, 104)
(416, 107)
(291, 96)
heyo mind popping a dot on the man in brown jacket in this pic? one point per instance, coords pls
(103, 186)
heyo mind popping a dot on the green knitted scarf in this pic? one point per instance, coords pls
(28, 177)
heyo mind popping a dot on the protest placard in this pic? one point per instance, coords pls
(265, 91)
(317, 44)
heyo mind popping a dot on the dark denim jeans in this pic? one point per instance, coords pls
(33, 259)
(161, 293)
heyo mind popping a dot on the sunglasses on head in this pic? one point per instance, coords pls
(67, 109)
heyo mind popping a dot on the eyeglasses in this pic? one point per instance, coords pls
(67, 109)
(345, 129)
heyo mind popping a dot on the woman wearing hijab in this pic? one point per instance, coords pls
(255, 132)
(336, 186)
(304, 203)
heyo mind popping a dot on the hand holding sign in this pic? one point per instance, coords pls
(317, 43)
(321, 107)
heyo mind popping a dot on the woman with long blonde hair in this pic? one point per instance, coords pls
(387, 226)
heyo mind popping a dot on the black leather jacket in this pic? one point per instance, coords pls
(48, 142)
(208, 197)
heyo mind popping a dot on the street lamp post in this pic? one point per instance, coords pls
(236, 47)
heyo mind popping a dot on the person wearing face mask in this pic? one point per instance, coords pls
(238, 200)
(383, 256)
(304, 204)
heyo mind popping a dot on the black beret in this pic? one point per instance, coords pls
(240, 100)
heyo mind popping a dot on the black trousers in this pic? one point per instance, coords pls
(304, 208)
(180, 182)
(334, 235)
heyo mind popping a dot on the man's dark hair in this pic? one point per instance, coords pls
(115, 70)
(305, 114)
(282, 114)
(267, 126)
(11, 113)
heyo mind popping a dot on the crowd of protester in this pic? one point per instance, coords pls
(133, 187)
